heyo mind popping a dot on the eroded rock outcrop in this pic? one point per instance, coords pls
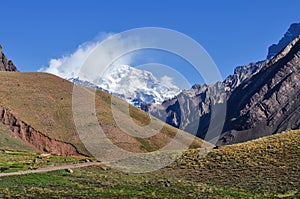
(5, 64)
(33, 137)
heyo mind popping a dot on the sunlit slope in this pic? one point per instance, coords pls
(44, 102)
(266, 164)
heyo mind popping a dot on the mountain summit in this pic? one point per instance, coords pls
(133, 85)
(5, 64)
(288, 37)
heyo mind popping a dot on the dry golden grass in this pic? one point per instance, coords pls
(269, 164)
(44, 101)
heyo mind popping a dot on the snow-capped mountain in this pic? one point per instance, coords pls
(133, 85)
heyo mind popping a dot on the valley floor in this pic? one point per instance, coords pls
(264, 168)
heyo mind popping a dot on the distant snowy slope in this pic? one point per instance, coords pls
(133, 85)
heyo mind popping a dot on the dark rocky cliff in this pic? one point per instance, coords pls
(289, 36)
(269, 102)
(261, 99)
(5, 64)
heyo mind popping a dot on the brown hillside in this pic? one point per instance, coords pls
(43, 102)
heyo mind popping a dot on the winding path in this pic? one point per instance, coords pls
(53, 168)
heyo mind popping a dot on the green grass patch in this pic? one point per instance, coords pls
(11, 161)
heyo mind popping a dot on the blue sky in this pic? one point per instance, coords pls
(233, 32)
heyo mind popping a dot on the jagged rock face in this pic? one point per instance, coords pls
(289, 36)
(5, 64)
(261, 99)
(269, 102)
(191, 109)
(241, 74)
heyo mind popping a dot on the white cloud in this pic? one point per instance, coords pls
(70, 65)
(84, 64)
(166, 81)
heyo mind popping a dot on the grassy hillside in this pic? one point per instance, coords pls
(264, 168)
(44, 102)
(11, 161)
(269, 164)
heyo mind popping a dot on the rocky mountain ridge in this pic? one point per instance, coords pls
(191, 110)
(269, 102)
(289, 36)
(5, 64)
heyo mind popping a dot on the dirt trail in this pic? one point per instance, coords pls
(53, 168)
